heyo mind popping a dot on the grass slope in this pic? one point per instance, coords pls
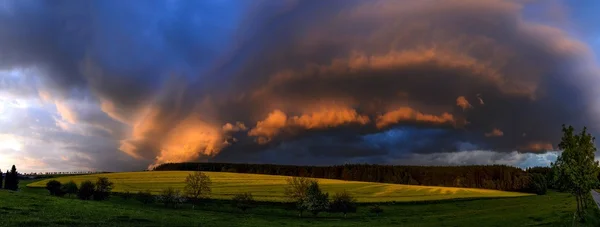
(32, 207)
(271, 188)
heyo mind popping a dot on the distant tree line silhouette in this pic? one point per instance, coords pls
(499, 177)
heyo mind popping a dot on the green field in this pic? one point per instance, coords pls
(33, 207)
(271, 188)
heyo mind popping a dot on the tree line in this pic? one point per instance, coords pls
(498, 177)
(10, 180)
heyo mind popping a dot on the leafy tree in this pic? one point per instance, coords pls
(315, 201)
(197, 185)
(103, 188)
(343, 202)
(6, 180)
(86, 190)
(1, 179)
(171, 197)
(70, 188)
(145, 197)
(575, 170)
(54, 187)
(12, 179)
(243, 201)
(296, 190)
(376, 209)
(538, 184)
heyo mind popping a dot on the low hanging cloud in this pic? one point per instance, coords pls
(266, 82)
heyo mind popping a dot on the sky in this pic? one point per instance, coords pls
(113, 85)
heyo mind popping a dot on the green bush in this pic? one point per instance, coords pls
(538, 184)
(86, 190)
(145, 197)
(243, 201)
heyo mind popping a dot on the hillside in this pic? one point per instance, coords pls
(271, 188)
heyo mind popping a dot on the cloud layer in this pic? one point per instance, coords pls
(288, 81)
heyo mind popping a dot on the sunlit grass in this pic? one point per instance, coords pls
(271, 188)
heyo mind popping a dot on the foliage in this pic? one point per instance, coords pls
(538, 184)
(54, 187)
(497, 177)
(1, 179)
(103, 188)
(11, 181)
(171, 197)
(376, 209)
(197, 185)
(315, 200)
(243, 201)
(126, 195)
(86, 190)
(343, 202)
(145, 197)
(70, 188)
(296, 189)
(575, 169)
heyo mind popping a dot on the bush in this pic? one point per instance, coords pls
(243, 201)
(376, 210)
(103, 188)
(126, 195)
(315, 201)
(171, 197)
(54, 187)
(145, 197)
(86, 190)
(538, 184)
(343, 203)
(70, 188)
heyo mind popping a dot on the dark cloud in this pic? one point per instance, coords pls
(308, 80)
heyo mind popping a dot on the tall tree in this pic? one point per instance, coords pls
(7, 180)
(575, 169)
(1, 179)
(14, 179)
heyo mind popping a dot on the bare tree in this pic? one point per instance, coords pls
(197, 185)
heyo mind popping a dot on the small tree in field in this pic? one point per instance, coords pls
(575, 169)
(197, 186)
(243, 201)
(103, 188)
(53, 187)
(70, 188)
(86, 190)
(296, 191)
(343, 203)
(315, 201)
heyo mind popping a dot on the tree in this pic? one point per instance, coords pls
(70, 188)
(86, 190)
(538, 184)
(315, 201)
(6, 180)
(145, 197)
(54, 187)
(103, 188)
(296, 190)
(343, 202)
(1, 179)
(243, 201)
(575, 170)
(376, 209)
(197, 185)
(12, 179)
(171, 197)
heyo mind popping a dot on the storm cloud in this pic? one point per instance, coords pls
(299, 82)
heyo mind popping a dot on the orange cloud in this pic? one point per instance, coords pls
(463, 103)
(409, 114)
(239, 126)
(494, 133)
(318, 119)
(537, 146)
(65, 112)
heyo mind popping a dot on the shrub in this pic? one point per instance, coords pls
(70, 188)
(54, 187)
(171, 197)
(243, 201)
(343, 203)
(126, 195)
(376, 209)
(103, 188)
(296, 190)
(538, 184)
(145, 197)
(315, 201)
(86, 190)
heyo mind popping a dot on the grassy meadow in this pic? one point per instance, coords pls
(271, 188)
